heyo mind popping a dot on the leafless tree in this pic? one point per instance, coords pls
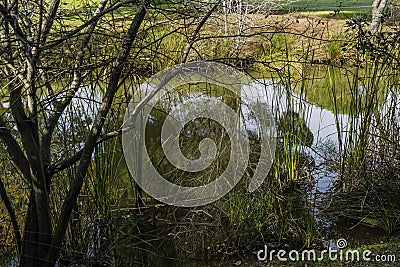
(378, 8)
(44, 63)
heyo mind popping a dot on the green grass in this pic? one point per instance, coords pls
(344, 14)
(331, 3)
(79, 4)
(301, 5)
(356, 6)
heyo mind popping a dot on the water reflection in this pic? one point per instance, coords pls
(314, 129)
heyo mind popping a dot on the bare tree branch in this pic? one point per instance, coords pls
(14, 150)
(65, 164)
(94, 134)
(76, 83)
(197, 30)
(11, 213)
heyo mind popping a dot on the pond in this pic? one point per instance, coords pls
(322, 130)
(321, 133)
(318, 136)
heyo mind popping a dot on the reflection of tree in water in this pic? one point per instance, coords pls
(289, 197)
(293, 136)
(293, 126)
(190, 137)
(292, 130)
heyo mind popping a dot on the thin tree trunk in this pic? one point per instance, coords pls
(29, 253)
(95, 132)
(378, 6)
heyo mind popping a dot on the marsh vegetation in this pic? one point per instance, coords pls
(69, 70)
